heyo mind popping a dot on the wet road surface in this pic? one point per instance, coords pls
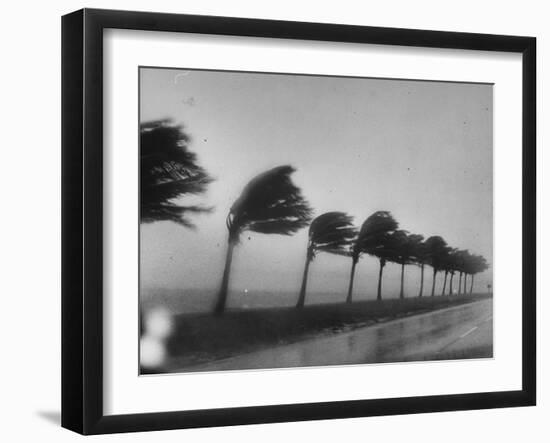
(464, 331)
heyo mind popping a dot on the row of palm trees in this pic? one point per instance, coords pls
(272, 204)
(379, 236)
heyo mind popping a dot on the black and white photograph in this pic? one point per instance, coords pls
(275, 221)
(290, 221)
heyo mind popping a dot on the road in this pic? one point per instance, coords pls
(464, 331)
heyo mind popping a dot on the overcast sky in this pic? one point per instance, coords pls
(422, 150)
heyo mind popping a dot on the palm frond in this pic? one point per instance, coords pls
(437, 251)
(374, 233)
(168, 170)
(476, 264)
(332, 232)
(170, 212)
(270, 204)
(396, 247)
(276, 226)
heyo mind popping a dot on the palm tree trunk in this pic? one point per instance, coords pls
(433, 283)
(451, 284)
(401, 294)
(471, 283)
(351, 277)
(222, 295)
(382, 264)
(302, 297)
(460, 283)
(444, 283)
(421, 279)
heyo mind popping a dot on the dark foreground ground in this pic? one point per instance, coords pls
(242, 339)
(458, 332)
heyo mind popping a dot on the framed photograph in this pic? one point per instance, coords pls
(269, 221)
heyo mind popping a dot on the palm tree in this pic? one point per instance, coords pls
(444, 282)
(400, 247)
(475, 265)
(269, 204)
(370, 240)
(416, 247)
(452, 272)
(421, 255)
(168, 171)
(461, 258)
(448, 265)
(437, 250)
(331, 232)
(452, 267)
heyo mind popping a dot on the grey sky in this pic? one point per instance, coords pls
(422, 150)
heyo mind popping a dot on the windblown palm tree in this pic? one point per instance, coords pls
(269, 204)
(421, 259)
(452, 273)
(415, 251)
(370, 240)
(331, 232)
(448, 265)
(168, 171)
(475, 265)
(400, 247)
(437, 250)
(452, 267)
(461, 259)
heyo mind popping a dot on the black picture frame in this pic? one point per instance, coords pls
(82, 218)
